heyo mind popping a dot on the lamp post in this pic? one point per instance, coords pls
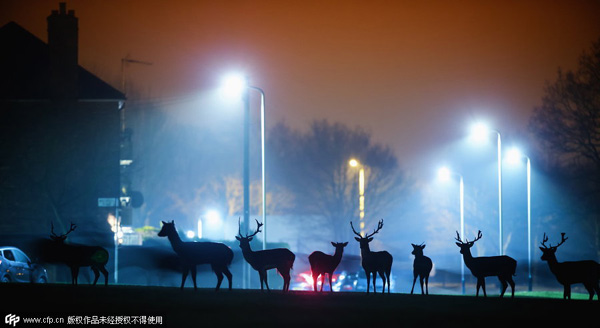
(236, 85)
(515, 156)
(444, 174)
(361, 192)
(480, 131)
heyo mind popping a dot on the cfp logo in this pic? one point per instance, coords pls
(12, 319)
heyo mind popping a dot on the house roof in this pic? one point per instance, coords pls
(25, 70)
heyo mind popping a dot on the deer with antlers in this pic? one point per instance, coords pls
(421, 268)
(503, 266)
(281, 259)
(568, 273)
(321, 264)
(374, 262)
(76, 256)
(218, 255)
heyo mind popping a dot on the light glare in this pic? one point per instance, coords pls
(513, 156)
(233, 85)
(444, 174)
(479, 132)
(353, 163)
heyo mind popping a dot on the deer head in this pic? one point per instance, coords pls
(466, 245)
(60, 238)
(364, 241)
(549, 251)
(245, 240)
(418, 249)
(167, 229)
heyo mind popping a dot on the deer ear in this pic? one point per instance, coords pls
(458, 244)
(345, 244)
(250, 239)
(357, 239)
(413, 245)
(542, 249)
(173, 221)
(371, 239)
(238, 238)
(334, 244)
(423, 247)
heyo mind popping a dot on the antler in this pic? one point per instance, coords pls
(544, 240)
(71, 229)
(258, 224)
(252, 235)
(356, 233)
(458, 238)
(379, 226)
(479, 235)
(562, 240)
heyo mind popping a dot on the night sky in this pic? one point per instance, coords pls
(414, 73)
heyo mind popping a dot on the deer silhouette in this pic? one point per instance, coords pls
(374, 262)
(568, 273)
(76, 256)
(281, 259)
(321, 264)
(421, 267)
(218, 255)
(503, 266)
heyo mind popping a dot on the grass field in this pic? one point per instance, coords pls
(252, 308)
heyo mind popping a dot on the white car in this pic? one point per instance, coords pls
(15, 266)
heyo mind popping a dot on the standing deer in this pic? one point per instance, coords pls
(76, 256)
(281, 259)
(421, 267)
(321, 264)
(218, 255)
(568, 273)
(374, 262)
(503, 266)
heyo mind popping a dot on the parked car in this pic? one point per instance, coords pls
(15, 266)
(342, 281)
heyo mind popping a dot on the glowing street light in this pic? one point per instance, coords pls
(235, 85)
(444, 175)
(514, 156)
(361, 192)
(479, 132)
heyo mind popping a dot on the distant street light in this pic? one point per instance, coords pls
(235, 85)
(238, 85)
(361, 192)
(444, 175)
(480, 132)
(514, 156)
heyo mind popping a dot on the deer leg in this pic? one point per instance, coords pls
(330, 282)
(567, 292)
(374, 281)
(427, 284)
(194, 276)
(504, 286)
(597, 289)
(184, 275)
(74, 274)
(105, 273)
(421, 282)
(368, 280)
(219, 279)
(315, 278)
(483, 286)
(322, 281)
(286, 280)
(382, 275)
(590, 290)
(229, 276)
(96, 275)
(415, 275)
(266, 281)
(388, 281)
(512, 286)
(478, 286)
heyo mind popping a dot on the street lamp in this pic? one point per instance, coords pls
(361, 192)
(236, 85)
(514, 156)
(479, 132)
(444, 174)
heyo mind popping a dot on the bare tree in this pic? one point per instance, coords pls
(314, 167)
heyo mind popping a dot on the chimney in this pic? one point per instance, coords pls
(62, 44)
